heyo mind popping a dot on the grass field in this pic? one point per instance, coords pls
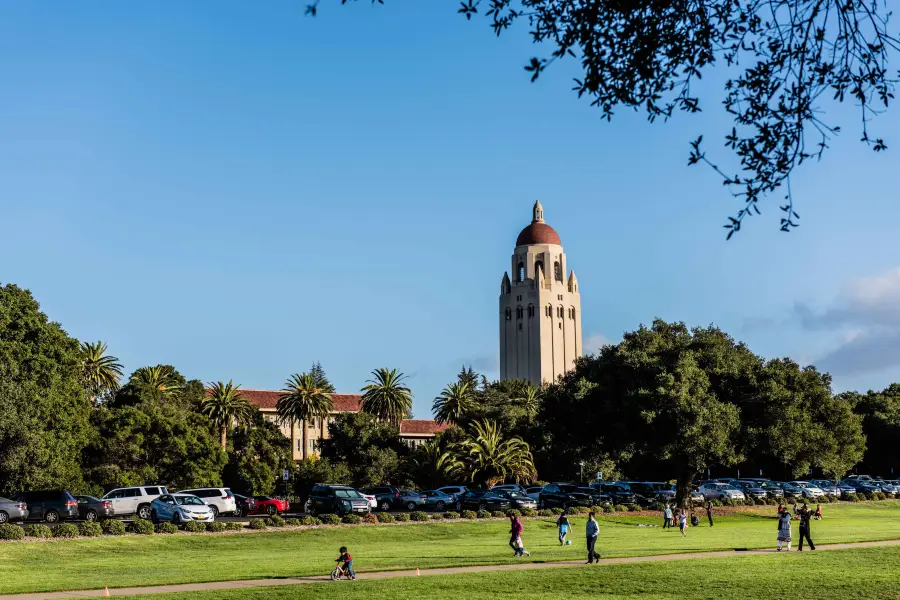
(835, 575)
(134, 560)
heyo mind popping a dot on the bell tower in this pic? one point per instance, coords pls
(540, 308)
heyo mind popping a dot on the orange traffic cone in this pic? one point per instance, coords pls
(417, 570)
(106, 591)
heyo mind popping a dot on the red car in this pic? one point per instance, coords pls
(269, 505)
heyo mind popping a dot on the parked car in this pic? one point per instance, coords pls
(850, 478)
(751, 489)
(93, 509)
(220, 500)
(828, 487)
(453, 490)
(845, 488)
(387, 495)
(244, 505)
(412, 500)
(697, 496)
(886, 487)
(516, 499)
(180, 508)
(509, 487)
(563, 495)
(861, 485)
(134, 500)
(647, 492)
(598, 498)
(10, 510)
(790, 489)
(482, 500)
(336, 499)
(270, 506)
(809, 490)
(721, 491)
(534, 492)
(619, 491)
(437, 500)
(373, 501)
(49, 505)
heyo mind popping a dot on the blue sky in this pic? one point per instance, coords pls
(239, 191)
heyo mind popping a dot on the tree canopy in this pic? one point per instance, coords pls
(782, 61)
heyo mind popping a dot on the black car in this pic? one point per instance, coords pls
(598, 498)
(563, 495)
(516, 499)
(336, 499)
(388, 497)
(93, 509)
(482, 500)
(50, 505)
(618, 491)
(648, 492)
(245, 505)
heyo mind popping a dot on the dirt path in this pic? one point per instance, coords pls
(254, 583)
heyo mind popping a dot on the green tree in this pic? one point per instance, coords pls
(321, 379)
(781, 59)
(160, 383)
(259, 453)
(386, 397)
(44, 408)
(454, 402)
(311, 471)
(431, 465)
(530, 401)
(301, 400)
(100, 371)
(370, 448)
(488, 458)
(880, 414)
(226, 406)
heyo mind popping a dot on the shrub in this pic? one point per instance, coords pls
(716, 502)
(195, 526)
(852, 498)
(275, 521)
(65, 530)
(351, 519)
(257, 524)
(749, 502)
(878, 496)
(544, 512)
(11, 532)
(233, 526)
(310, 520)
(513, 513)
(529, 512)
(418, 516)
(385, 517)
(166, 527)
(402, 517)
(90, 529)
(216, 526)
(771, 502)
(659, 506)
(579, 510)
(469, 514)
(634, 508)
(370, 518)
(620, 508)
(38, 531)
(498, 514)
(556, 510)
(292, 522)
(113, 527)
(329, 519)
(607, 508)
(451, 515)
(141, 526)
(483, 514)
(437, 516)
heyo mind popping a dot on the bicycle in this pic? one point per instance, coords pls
(339, 573)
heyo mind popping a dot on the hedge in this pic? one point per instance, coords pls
(257, 524)
(451, 515)
(195, 527)
(370, 518)
(620, 508)
(498, 514)
(608, 508)
(528, 512)
(113, 527)
(436, 516)
(418, 516)
(385, 517)
(216, 526)
(293, 522)
(65, 530)
(167, 528)
(11, 532)
(351, 519)
(233, 526)
(545, 512)
(513, 513)
(276, 521)
(330, 519)
(36, 530)
(556, 510)
(402, 517)
(469, 514)
(143, 527)
(90, 529)
(483, 514)
(310, 520)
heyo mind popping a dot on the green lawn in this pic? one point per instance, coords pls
(835, 575)
(135, 560)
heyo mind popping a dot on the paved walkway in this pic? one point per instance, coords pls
(255, 583)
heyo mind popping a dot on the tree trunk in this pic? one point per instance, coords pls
(683, 489)
(224, 437)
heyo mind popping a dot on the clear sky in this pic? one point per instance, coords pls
(239, 191)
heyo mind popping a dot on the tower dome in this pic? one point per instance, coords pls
(538, 232)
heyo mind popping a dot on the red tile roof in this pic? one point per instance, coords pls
(421, 427)
(538, 233)
(267, 399)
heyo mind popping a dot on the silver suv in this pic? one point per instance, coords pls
(134, 500)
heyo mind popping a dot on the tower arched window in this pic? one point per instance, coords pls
(521, 271)
(508, 314)
(520, 312)
(530, 311)
(557, 271)
(538, 266)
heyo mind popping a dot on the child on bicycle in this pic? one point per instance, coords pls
(348, 563)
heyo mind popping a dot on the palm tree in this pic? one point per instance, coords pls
(386, 397)
(434, 465)
(225, 405)
(100, 371)
(530, 400)
(490, 459)
(453, 404)
(301, 400)
(161, 381)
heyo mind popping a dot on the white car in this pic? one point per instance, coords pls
(721, 491)
(809, 490)
(134, 500)
(220, 500)
(181, 508)
(373, 501)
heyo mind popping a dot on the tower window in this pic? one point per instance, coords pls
(508, 314)
(530, 311)
(538, 265)
(520, 312)
(521, 271)
(520, 327)
(557, 271)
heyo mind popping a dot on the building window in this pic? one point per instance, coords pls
(530, 311)
(521, 271)
(538, 265)
(299, 445)
(557, 271)
(520, 327)
(508, 314)
(311, 444)
(520, 312)
(547, 310)
(312, 423)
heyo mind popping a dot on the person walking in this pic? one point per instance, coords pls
(805, 515)
(784, 530)
(564, 525)
(667, 517)
(818, 512)
(709, 512)
(682, 523)
(515, 537)
(592, 530)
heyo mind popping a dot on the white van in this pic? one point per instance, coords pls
(134, 500)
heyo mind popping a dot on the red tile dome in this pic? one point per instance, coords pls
(538, 232)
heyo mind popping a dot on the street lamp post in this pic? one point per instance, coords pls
(581, 472)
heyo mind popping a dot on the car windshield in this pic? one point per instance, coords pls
(347, 494)
(568, 488)
(616, 488)
(802, 484)
(188, 500)
(514, 494)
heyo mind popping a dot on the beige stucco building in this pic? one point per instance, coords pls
(540, 308)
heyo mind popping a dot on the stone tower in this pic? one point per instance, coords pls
(540, 308)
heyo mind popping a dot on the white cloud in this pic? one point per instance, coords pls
(594, 342)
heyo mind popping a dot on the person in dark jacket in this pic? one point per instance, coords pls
(709, 512)
(805, 515)
(563, 524)
(592, 530)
